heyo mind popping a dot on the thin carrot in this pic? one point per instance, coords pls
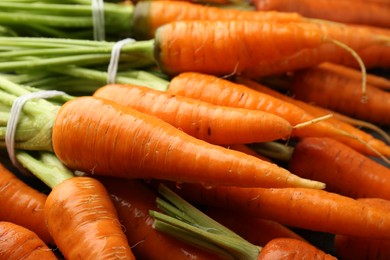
(243, 47)
(313, 86)
(83, 221)
(311, 209)
(344, 170)
(246, 149)
(149, 15)
(338, 120)
(372, 79)
(18, 242)
(133, 199)
(22, 204)
(120, 141)
(359, 12)
(223, 92)
(214, 124)
(357, 248)
(258, 231)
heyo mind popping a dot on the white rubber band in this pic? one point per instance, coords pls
(115, 54)
(14, 118)
(98, 20)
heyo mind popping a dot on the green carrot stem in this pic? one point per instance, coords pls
(186, 222)
(46, 167)
(274, 150)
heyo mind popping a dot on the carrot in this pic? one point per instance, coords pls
(133, 199)
(313, 86)
(338, 120)
(223, 92)
(22, 204)
(344, 170)
(149, 15)
(357, 248)
(183, 221)
(214, 124)
(372, 79)
(122, 142)
(245, 149)
(360, 12)
(250, 52)
(258, 231)
(18, 242)
(83, 221)
(290, 248)
(316, 210)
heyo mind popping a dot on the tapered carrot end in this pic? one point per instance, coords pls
(297, 181)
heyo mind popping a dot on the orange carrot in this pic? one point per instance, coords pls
(290, 248)
(245, 149)
(311, 209)
(258, 231)
(372, 79)
(149, 15)
(357, 248)
(18, 242)
(120, 141)
(214, 124)
(223, 92)
(83, 221)
(341, 94)
(338, 120)
(344, 170)
(133, 200)
(243, 47)
(22, 205)
(360, 12)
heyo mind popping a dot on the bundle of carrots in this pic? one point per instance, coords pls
(199, 99)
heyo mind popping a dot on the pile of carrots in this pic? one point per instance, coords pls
(267, 116)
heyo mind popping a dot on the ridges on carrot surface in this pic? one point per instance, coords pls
(211, 123)
(119, 141)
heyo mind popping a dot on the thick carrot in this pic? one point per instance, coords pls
(258, 231)
(357, 248)
(133, 199)
(311, 209)
(341, 94)
(83, 221)
(359, 12)
(344, 170)
(223, 92)
(18, 242)
(22, 204)
(149, 15)
(214, 124)
(120, 141)
(290, 248)
(338, 120)
(244, 47)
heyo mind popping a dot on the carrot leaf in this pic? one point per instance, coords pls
(186, 222)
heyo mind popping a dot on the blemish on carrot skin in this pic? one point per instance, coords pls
(209, 131)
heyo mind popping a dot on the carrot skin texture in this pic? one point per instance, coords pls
(313, 86)
(83, 221)
(250, 53)
(133, 199)
(214, 124)
(359, 12)
(311, 209)
(122, 142)
(18, 242)
(149, 15)
(22, 204)
(223, 92)
(289, 248)
(338, 165)
(357, 248)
